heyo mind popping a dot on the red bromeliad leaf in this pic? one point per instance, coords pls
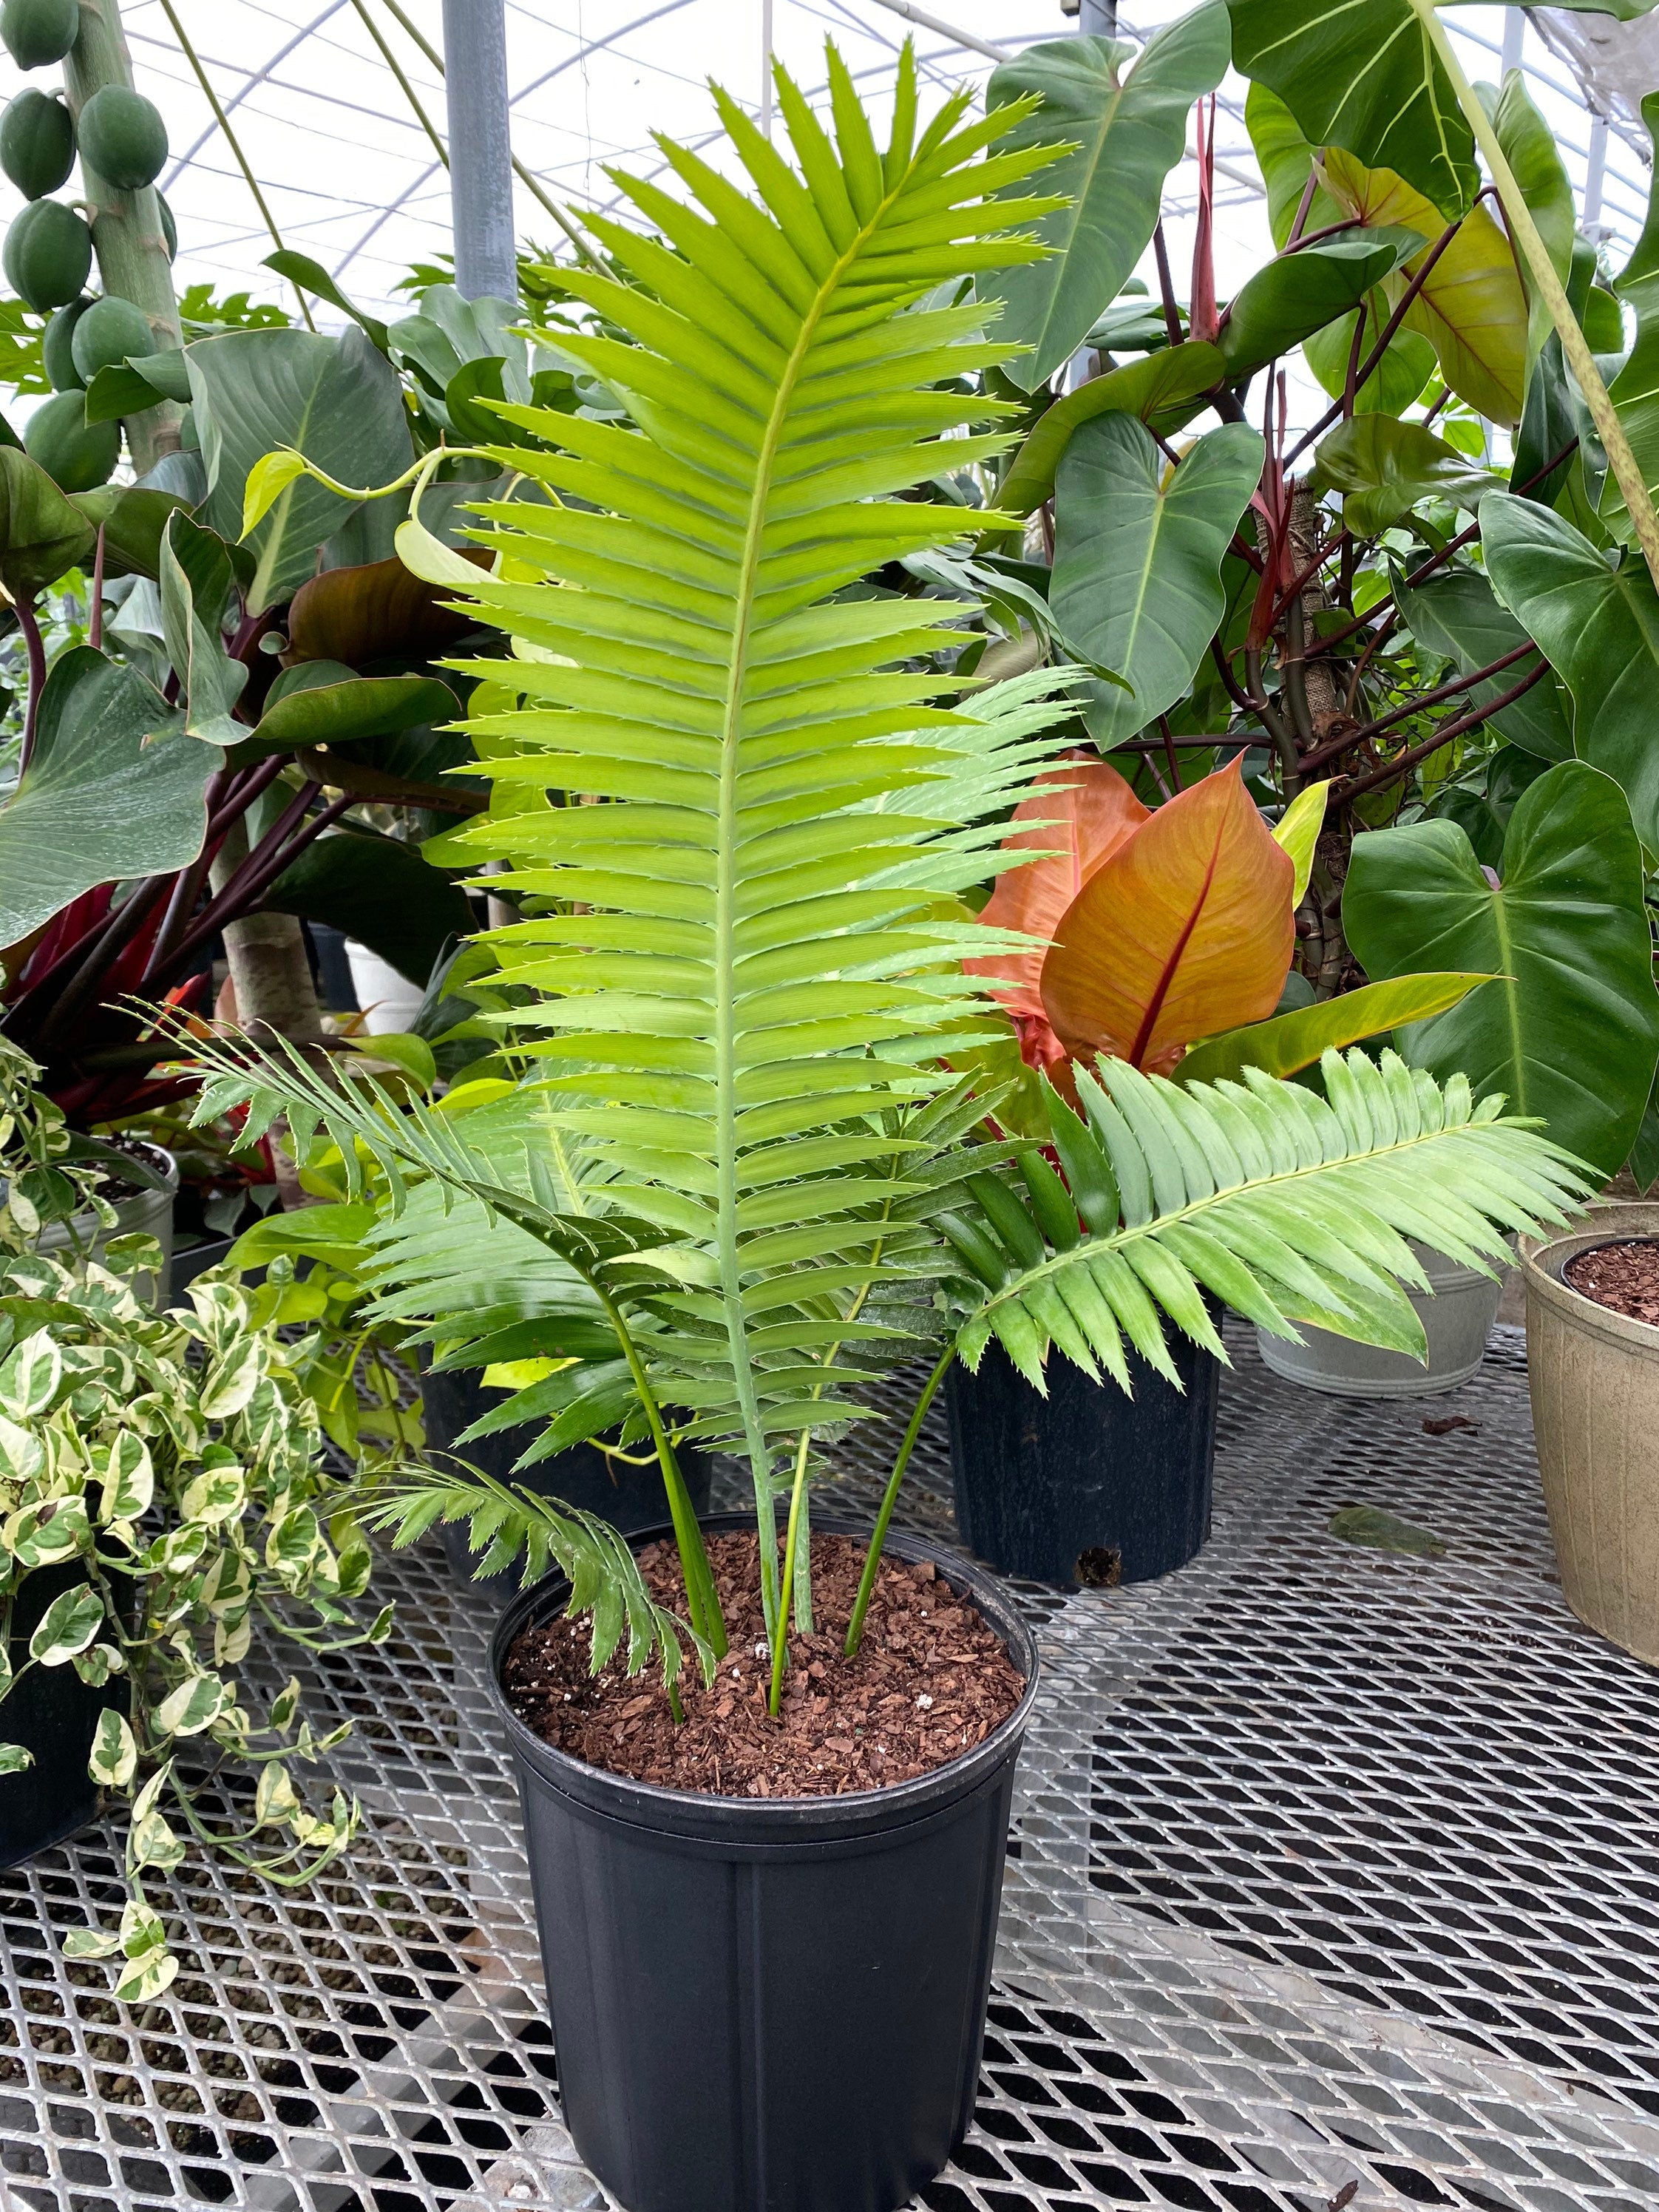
(1185, 931)
(1080, 814)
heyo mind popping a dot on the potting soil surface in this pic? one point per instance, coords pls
(1333, 1880)
(1624, 1278)
(930, 1679)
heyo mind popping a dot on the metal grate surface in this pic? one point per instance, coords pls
(1328, 1868)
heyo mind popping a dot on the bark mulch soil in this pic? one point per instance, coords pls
(932, 1679)
(1623, 1277)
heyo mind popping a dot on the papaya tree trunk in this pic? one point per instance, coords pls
(126, 226)
(270, 975)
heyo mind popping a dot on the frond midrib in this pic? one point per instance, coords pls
(727, 913)
(1093, 1246)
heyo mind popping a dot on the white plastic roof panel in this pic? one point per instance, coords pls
(351, 175)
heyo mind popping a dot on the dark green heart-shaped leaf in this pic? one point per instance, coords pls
(1455, 613)
(1599, 627)
(1568, 1030)
(336, 400)
(1163, 382)
(133, 519)
(42, 536)
(1138, 554)
(98, 803)
(1129, 134)
(196, 579)
(341, 713)
(380, 892)
(1298, 294)
(1363, 74)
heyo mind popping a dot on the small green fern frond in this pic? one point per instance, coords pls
(1282, 1203)
(506, 1524)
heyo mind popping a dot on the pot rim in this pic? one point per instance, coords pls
(171, 1179)
(781, 1820)
(1627, 1221)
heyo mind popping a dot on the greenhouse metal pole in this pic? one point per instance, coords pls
(1097, 18)
(480, 148)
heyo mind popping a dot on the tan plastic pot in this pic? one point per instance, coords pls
(1594, 1381)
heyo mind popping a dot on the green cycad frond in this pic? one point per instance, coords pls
(1284, 1204)
(764, 965)
(505, 1524)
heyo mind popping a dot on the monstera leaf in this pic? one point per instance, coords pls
(1569, 1028)
(1128, 134)
(1138, 553)
(114, 790)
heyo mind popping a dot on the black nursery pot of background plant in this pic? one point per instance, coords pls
(1087, 1487)
(631, 1498)
(53, 1714)
(769, 2005)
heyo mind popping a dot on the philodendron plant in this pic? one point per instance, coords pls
(752, 1177)
(166, 1469)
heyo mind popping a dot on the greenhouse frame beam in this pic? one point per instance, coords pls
(252, 83)
(570, 62)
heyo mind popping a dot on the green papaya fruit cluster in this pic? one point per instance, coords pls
(77, 455)
(48, 256)
(36, 142)
(122, 138)
(38, 32)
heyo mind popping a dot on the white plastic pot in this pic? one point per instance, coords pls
(1457, 1320)
(389, 1002)
(146, 1213)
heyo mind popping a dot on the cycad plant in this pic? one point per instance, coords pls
(741, 1144)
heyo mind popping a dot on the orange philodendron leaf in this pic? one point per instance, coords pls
(1185, 931)
(1081, 812)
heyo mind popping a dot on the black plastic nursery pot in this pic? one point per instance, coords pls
(53, 1714)
(1087, 1487)
(769, 2005)
(631, 1498)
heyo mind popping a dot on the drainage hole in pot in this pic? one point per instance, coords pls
(1101, 1567)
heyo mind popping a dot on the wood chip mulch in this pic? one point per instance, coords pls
(1624, 1278)
(932, 1679)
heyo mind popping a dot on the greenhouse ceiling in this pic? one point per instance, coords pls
(337, 107)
